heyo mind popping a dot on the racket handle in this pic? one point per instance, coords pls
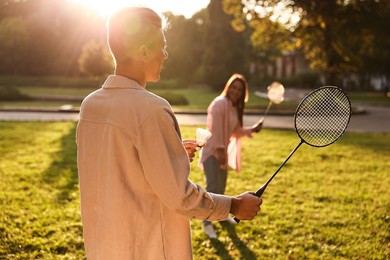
(261, 190)
(258, 193)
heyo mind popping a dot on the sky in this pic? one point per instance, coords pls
(177, 7)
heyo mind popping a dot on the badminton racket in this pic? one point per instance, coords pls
(320, 120)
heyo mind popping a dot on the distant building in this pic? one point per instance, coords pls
(287, 65)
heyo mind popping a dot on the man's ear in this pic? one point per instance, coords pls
(143, 53)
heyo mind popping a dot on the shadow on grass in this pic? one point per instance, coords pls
(62, 173)
(245, 252)
(220, 249)
(377, 142)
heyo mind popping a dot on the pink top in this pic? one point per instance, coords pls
(219, 123)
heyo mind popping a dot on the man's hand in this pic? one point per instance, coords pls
(191, 148)
(245, 206)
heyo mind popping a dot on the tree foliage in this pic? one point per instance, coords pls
(337, 37)
(95, 59)
(226, 50)
(14, 35)
(344, 35)
(56, 32)
(185, 47)
(205, 48)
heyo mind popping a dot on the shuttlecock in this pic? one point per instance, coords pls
(276, 92)
(202, 135)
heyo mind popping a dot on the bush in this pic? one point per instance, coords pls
(166, 84)
(48, 81)
(260, 82)
(12, 94)
(309, 80)
(174, 99)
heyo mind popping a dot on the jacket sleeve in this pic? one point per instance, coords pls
(166, 168)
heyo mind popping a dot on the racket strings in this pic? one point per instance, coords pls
(323, 116)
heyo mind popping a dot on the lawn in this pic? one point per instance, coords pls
(198, 97)
(326, 203)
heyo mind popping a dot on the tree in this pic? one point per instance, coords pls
(95, 59)
(375, 48)
(14, 44)
(57, 30)
(226, 49)
(185, 47)
(334, 35)
(205, 48)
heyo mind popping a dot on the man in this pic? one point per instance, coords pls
(136, 199)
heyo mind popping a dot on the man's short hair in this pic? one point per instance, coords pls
(131, 27)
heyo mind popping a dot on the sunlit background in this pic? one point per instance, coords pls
(182, 7)
(302, 44)
(53, 53)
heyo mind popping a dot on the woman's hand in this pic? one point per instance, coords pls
(258, 126)
(221, 156)
(191, 147)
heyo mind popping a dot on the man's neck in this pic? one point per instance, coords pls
(131, 73)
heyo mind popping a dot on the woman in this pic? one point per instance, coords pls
(223, 149)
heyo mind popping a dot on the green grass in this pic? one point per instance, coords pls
(48, 81)
(325, 203)
(38, 192)
(373, 98)
(199, 98)
(56, 92)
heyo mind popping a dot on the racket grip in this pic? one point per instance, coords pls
(261, 190)
(258, 193)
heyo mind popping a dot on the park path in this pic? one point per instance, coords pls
(373, 119)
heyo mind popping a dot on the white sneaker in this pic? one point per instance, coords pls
(209, 230)
(231, 220)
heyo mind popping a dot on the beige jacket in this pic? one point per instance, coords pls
(136, 199)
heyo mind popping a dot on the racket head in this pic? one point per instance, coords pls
(275, 92)
(322, 116)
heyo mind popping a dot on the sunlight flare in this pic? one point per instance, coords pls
(107, 7)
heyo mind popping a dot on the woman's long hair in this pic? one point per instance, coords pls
(244, 95)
